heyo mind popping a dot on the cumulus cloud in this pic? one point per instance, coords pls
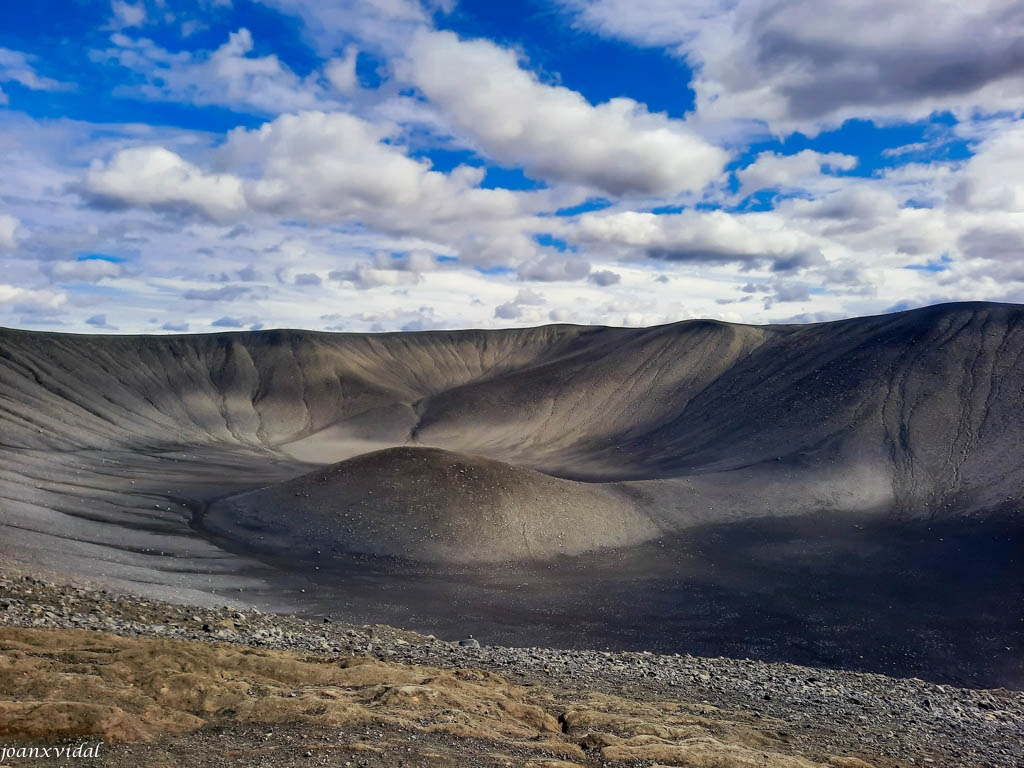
(618, 147)
(334, 320)
(341, 72)
(802, 64)
(405, 319)
(529, 297)
(352, 199)
(87, 271)
(252, 322)
(336, 167)
(552, 268)
(127, 14)
(308, 280)
(154, 177)
(506, 246)
(772, 170)
(508, 311)
(227, 293)
(17, 67)
(228, 76)
(413, 261)
(176, 327)
(703, 237)
(787, 292)
(387, 269)
(100, 321)
(314, 168)
(249, 274)
(993, 179)
(28, 300)
(514, 310)
(994, 243)
(605, 277)
(8, 232)
(383, 24)
(365, 277)
(319, 167)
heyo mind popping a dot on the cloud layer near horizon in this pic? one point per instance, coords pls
(377, 166)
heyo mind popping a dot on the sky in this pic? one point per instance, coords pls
(217, 165)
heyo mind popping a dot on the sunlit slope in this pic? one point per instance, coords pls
(260, 389)
(582, 407)
(430, 505)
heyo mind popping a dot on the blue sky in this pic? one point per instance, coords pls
(222, 164)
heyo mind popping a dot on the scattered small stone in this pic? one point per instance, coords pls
(830, 712)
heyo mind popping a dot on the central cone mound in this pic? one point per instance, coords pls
(430, 505)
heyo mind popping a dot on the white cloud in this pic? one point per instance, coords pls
(845, 249)
(711, 237)
(605, 277)
(16, 67)
(553, 267)
(907, 149)
(803, 64)
(127, 14)
(508, 311)
(308, 280)
(520, 307)
(323, 194)
(414, 261)
(993, 179)
(225, 293)
(335, 167)
(403, 318)
(31, 300)
(552, 131)
(154, 177)
(529, 297)
(252, 322)
(364, 277)
(8, 232)
(228, 76)
(88, 271)
(383, 24)
(100, 321)
(386, 269)
(341, 72)
(774, 171)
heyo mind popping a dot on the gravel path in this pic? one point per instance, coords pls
(827, 712)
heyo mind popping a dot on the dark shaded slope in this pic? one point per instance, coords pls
(926, 402)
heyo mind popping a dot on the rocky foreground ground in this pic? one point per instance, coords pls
(170, 685)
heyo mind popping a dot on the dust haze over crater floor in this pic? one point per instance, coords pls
(842, 494)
